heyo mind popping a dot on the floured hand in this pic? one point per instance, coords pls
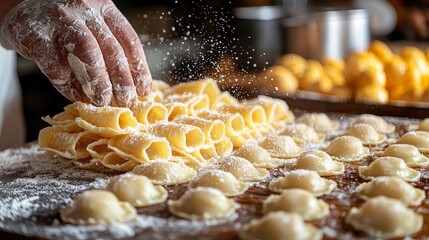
(86, 48)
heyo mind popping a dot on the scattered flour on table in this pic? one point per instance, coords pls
(34, 186)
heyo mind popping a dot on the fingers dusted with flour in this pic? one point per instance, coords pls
(130, 42)
(86, 48)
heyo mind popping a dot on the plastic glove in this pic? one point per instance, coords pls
(86, 48)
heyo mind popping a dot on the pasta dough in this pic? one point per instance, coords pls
(320, 162)
(388, 166)
(281, 146)
(227, 183)
(280, 225)
(419, 139)
(303, 134)
(136, 189)
(347, 149)
(258, 156)
(409, 153)
(242, 169)
(366, 134)
(202, 204)
(303, 179)
(140, 147)
(383, 217)
(378, 123)
(297, 201)
(319, 122)
(65, 144)
(166, 172)
(391, 187)
(90, 208)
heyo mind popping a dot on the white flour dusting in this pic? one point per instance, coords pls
(34, 186)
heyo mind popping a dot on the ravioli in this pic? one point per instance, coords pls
(89, 208)
(166, 172)
(383, 217)
(281, 146)
(242, 169)
(303, 179)
(136, 189)
(419, 139)
(388, 166)
(366, 134)
(409, 153)
(258, 156)
(378, 123)
(297, 201)
(319, 122)
(347, 149)
(202, 203)
(320, 162)
(391, 187)
(280, 225)
(227, 183)
(303, 134)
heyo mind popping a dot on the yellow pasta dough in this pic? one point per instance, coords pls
(140, 147)
(65, 144)
(206, 86)
(214, 130)
(105, 121)
(182, 136)
(150, 112)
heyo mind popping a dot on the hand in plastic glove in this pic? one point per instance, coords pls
(86, 48)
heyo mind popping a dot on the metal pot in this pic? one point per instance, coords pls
(258, 40)
(327, 34)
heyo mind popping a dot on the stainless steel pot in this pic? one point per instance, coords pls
(259, 40)
(332, 34)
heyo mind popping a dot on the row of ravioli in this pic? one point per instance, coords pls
(298, 190)
(192, 120)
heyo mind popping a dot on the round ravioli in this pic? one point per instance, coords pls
(366, 134)
(280, 225)
(320, 162)
(424, 125)
(281, 146)
(202, 204)
(379, 124)
(90, 208)
(297, 201)
(409, 153)
(388, 166)
(242, 169)
(227, 183)
(419, 139)
(383, 217)
(166, 172)
(303, 134)
(391, 187)
(303, 179)
(319, 122)
(258, 156)
(347, 148)
(136, 189)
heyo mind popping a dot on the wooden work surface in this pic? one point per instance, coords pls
(49, 184)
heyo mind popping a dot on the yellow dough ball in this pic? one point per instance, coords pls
(295, 63)
(278, 79)
(381, 50)
(315, 79)
(363, 69)
(372, 93)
